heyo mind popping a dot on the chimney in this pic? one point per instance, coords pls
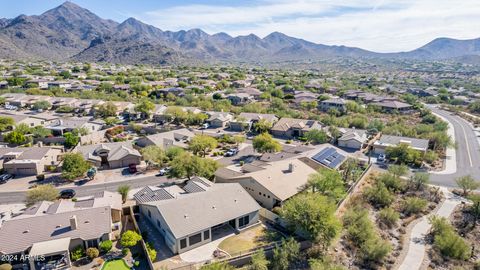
(290, 167)
(73, 222)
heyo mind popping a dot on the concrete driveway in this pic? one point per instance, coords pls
(205, 252)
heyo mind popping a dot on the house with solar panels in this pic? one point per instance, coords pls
(277, 177)
(197, 213)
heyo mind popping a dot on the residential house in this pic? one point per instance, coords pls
(219, 119)
(253, 92)
(110, 155)
(162, 93)
(240, 98)
(245, 121)
(20, 118)
(68, 124)
(37, 83)
(292, 128)
(51, 230)
(338, 104)
(59, 84)
(385, 141)
(352, 138)
(165, 140)
(394, 106)
(270, 184)
(24, 161)
(189, 217)
(304, 97)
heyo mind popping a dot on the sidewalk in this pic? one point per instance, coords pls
(417, 246)
(451, 153)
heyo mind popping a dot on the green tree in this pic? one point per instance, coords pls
(123, 190)
(324, 264)
(285, 254)
(130, 239)
(153, 154)
(41, 132)
(316, 136)
(107, 109)
(23, 128)
(71, 140)
(145, 107)
(201, 144)
(238, 139)
(15, 137)
(265, 143)
(41, 193)
(74, 166)
(6, 123)
(41, 105)
(418, 180)
(404, 154)
(262, 126)
(328, 182)
(186, 165)
(398, 170)
(259, 261)
(467, 184)
(313, 215)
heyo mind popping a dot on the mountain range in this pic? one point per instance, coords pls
(70, 32)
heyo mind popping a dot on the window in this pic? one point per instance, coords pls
(149, 214)
(183, 243)
(243, 221)
(194, 239)
(259, 193)
(206, 235)
(158, 224)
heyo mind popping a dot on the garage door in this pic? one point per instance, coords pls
(26, 171)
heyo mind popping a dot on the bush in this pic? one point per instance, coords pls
(106, 246)
(77, 253)
(92, 252)
(136, 263)
(125, 251)
(40, 177)
(447, 241)
(413, 205)
(388, 217)
(152, 253)
(379, 195)
(375, 249)
(130, 238)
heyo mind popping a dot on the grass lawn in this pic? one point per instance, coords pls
(115, 265)
(248, 239)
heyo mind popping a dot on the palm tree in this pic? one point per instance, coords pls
(123, 190)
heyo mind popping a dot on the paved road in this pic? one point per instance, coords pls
(467, 154)
(19, 196)
(245, 153)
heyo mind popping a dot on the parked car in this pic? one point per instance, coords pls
(67, 194)
(232, 152)
(205, 126)
(164, 171)
(381, 158)
(5, 177)
(132, 168)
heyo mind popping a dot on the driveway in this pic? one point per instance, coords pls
(467, 153)
(244, 154)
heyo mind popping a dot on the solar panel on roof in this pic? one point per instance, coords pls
(329, 157)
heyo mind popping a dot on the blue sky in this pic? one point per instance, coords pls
(378, 25)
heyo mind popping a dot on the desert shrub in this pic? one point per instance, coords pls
(388, 217)
(447, 240)
(106, 246)
(77, 253)
(92, 252)
(125, 251)
(152, 253)
(413, 205)
(379, 195)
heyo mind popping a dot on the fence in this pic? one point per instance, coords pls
(142, 242)
(341, 203)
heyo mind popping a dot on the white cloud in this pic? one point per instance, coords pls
(382, 25)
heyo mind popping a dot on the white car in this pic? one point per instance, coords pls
(381, 158)
(164, 171)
